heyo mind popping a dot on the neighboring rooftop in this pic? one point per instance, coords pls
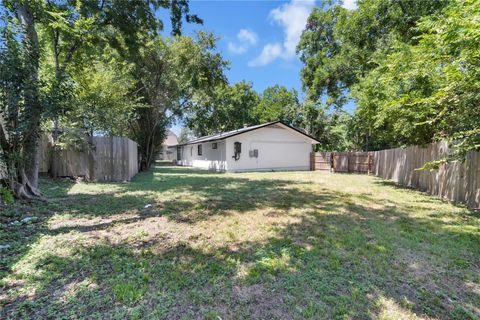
(171, 139)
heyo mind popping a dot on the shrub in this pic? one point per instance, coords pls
(6, 196)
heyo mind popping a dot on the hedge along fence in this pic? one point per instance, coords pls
(456, 181)
(109, 159)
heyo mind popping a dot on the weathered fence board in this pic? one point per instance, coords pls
(321, 161)
(45, 154)
(71, 163)
(110, 159)
(45, 157)
(455, 181)
(361, 162)
(340, 162)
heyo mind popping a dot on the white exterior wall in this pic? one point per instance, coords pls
(279, 149)
(212, 159)
(168, 153)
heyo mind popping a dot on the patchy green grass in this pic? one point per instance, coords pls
(293, 245)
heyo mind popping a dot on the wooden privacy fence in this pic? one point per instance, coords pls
(109, 159)
(321, 161)
(45, 157)
(360, 162)
(457, 181)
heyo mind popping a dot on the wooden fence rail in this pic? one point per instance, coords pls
(321, 161)
(360, 162)
(457, 181)
(110, 159)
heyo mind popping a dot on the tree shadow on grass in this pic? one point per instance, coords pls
(333, 265)
(343, 258)
(174, 191)
(432, 198)
(215, 194)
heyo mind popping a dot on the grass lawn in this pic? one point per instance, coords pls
(290, 245)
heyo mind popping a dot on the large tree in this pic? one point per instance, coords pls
(20, 104)
(185, 135)
(345, 51)
(74, 30)
(102, 101)
(328, 126)
(229, 107)
(277, 103)
(427, 90)
(337, 44)
(68, 29)
(172, 76)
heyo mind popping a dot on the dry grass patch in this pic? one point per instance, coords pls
(176, 243)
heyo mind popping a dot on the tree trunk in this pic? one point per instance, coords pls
(33, 165)
(26, 183)
(54, 165)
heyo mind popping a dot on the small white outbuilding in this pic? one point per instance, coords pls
(273, 146)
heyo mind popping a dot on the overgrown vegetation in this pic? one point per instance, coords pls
(102, 67)
(411, 66)
(232, 106)
(6, 196)
(180, 243)
(89, 65)
(21, 107)
(251, 245)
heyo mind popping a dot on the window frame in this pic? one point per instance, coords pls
(199, 150)
(214, 145)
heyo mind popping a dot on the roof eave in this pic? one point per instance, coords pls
(313, 140)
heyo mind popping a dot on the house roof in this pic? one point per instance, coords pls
(228, 134)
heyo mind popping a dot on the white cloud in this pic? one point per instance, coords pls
(269, 53)
(246, 38)
(292, 17)
(350, 4)
(237, 49)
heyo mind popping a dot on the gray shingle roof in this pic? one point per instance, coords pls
(227, 134)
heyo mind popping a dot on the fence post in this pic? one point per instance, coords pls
(312, 161)
(369, 166)
(349, 155)
(333, 162)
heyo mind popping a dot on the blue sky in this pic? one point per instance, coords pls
(257, 37)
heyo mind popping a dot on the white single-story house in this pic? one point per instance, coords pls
(273, 146)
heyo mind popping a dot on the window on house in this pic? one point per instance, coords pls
(199, 149)
(214, 145)
(191, 151)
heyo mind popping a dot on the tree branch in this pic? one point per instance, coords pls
(69, 56)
